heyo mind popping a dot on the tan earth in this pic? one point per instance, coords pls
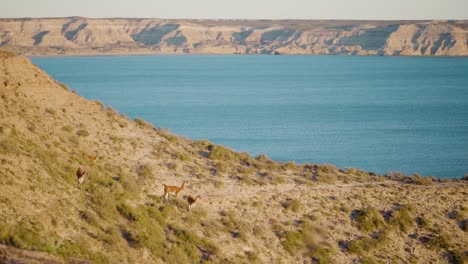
(251, 210)
(86, 36)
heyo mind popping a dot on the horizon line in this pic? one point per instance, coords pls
(242, 19)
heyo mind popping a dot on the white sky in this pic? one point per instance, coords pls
(240, 9)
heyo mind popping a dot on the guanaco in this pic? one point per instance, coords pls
(172, 189)
(191, 201)
(80, 175)
(94, 157)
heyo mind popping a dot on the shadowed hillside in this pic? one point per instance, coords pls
(79, 35)
(251, 210)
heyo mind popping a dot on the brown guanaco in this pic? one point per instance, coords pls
(191, 201)
(80, 175)
(94, 157)
(172, 189)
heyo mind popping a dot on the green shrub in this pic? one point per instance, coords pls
(292, 242)
(67, 128)
(366, 244)
(221, 167)
(326, 169)
(420, 180)
(356, 172)
(221, 153)
(326, 173)
(369, 219)
(402, 218)
(127, 212)
(192, 245)
(182, 156)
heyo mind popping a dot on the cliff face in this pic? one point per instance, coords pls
(77, 35)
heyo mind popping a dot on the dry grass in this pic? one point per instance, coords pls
(252, 209)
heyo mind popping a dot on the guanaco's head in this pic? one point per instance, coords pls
(80, 172)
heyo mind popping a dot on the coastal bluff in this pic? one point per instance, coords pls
(86, 36)
(249, 210)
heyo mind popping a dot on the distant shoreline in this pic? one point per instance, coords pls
(130, 36)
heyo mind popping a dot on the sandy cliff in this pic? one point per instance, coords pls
(77, 35)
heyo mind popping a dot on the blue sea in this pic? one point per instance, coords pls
(380, 114)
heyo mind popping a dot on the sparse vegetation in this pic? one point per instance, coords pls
(143, 124)
(293, 205)
(249, 207)
(420, 180)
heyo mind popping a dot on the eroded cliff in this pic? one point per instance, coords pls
(77, 35)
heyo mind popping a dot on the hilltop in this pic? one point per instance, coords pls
(87, 36)
(251, 210)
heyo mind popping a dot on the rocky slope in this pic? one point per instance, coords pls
(77, 35)
(252, 210)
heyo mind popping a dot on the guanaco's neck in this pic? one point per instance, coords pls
(182, 186)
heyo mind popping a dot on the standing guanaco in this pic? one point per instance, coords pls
(191, 201)
(172, 189)
(80, 175)
(94, 157)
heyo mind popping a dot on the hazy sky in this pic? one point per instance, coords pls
(259, 9)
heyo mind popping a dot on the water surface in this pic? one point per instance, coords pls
(380, 114)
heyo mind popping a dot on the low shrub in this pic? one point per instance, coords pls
(369, 219)
(402, 218)
(143, 124)
(293, 205)
(420, 180)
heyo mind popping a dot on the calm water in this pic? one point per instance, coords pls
(376, 113)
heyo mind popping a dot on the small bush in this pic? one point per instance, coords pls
(402, 218)
(221, 153)
(369, 219)
(326, 173)
(292, 242)
(143, 124)
(420, 180)
(221, 167)
(263, 158)
(145, 171)
(423, 222)
(182, 156)
(290, 166)
(356, 172)
(67, 128)
(438, 241)
(293, 205)
(366, 244)
(127, 212)
(99, 103)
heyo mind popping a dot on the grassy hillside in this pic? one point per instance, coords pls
(252, 210)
